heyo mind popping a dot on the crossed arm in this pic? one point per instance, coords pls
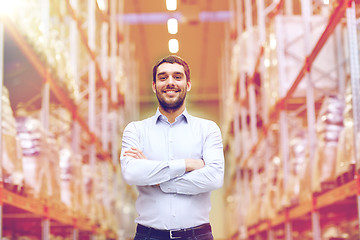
(190, 164)
(182, 176)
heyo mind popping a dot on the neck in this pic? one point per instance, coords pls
(172, 114)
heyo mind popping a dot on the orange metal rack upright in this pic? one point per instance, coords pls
(49, 214)
(346, 194)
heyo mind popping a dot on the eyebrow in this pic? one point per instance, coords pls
(166, 73)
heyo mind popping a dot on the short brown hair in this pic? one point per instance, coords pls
(172, 59)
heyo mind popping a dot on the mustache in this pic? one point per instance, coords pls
(172, 88)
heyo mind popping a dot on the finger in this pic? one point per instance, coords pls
(133, 155)
(129, 154)
(130, 151)
(139, 153)
(142, 155)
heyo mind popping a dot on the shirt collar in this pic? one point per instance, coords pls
(185, 114)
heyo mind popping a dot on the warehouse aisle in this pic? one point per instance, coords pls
(279, 77)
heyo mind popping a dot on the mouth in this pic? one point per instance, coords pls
(171, 92)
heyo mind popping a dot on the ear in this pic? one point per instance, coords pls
(188, 83)
(154, 87)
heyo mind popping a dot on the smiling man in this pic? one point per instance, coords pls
(171, 87)
(174, 159)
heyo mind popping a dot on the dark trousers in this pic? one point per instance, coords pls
(196, 233)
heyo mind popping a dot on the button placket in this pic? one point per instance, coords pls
(170, 143)
(173, 210)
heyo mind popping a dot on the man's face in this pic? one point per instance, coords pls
(171, 86)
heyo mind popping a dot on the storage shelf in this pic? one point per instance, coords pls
(49, 50)
(292, 218)
(323, 200)
(58, 91)
(24, 203)
(53, 212)
(338, 194)
(17, 206)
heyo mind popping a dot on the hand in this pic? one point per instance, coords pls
(134, 153)
(194, 164)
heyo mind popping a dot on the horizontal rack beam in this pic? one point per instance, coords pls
(48, 210)
(323, 200)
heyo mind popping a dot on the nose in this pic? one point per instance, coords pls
(171, 80)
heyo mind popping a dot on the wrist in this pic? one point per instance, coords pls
(193, 164)
(188, 165)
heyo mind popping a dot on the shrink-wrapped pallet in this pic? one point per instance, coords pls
(298, 159)
(69, 161)
(271, 202)
(285, 55)
(53, 174)
(70, 178)
(271, 177)
(329, 126)
(305, 193)
(103, 192)
(34, 165)
(39, 158)
(12, 172)
(345, 158)
(254, 176)
(259, 181)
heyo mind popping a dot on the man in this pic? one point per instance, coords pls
(175, 160)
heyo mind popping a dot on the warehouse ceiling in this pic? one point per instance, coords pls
(201, 35)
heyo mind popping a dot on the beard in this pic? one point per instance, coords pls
(171, 104)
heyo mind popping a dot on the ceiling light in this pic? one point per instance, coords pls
(172, 25)
(171, 5)
(272, 41)
(8, 7)
(267, 62)
(101, 4)
(173, 45)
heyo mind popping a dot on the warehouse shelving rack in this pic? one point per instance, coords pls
(309, 213)
(335, 196)
(20, 207)
(101, 80)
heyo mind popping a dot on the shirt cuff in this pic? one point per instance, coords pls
(177, 168)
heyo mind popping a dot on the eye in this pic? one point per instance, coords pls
(178, 77)
(162, 77)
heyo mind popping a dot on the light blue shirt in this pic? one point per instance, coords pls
(168, 197)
